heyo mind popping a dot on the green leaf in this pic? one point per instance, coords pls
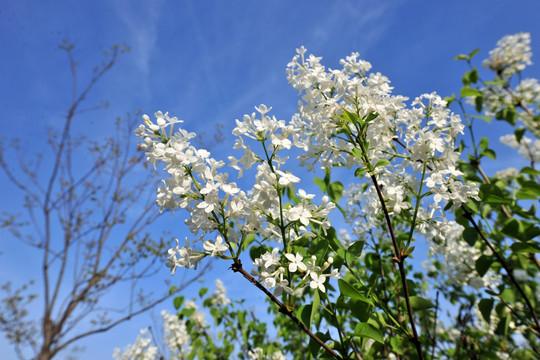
(304, 314)
(335, 191)
(529, 171)
(473, 75)
(514, 228)
(450, 99)
(372, 116)
(483, 263)
(470, 77)
(494, 82)
(528, 247)
(369, 331)
(508, 295)
(519, 134)
(356, 248)
(359, 172)
(484, 143)
(314, 346)
(187, 312)
(397, 345)
(202, 292)
(382, 162)
(482, 117)
(468, 91)
(503, 325)
(177, 301)
(479, 104)
(508, 114)
(172, 290)
(419, 303)
(489, 154)
(247, 241)
(314, 307)
(350, 117)
(357, 152)
(348, 290)
(530, 190)
(472, 53)
(466, 79)
(461, 57)
(359, 309)
(486, 305)
(490, 193)
(320, 183)
(470, 235)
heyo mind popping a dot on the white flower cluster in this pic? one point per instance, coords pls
(258, 354)
(219, 297)
(176, 335)
(196, 184)
(324, 96)
(457, 257)
(527, 147)
(413, 146)
(270, 271)
(511, 56)
(141, 349)
(427, 131)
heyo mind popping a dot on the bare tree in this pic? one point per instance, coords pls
(87, 210)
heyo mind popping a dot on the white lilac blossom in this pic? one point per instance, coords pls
(175, 335)
(508, 173)
(258, 354)
(511, 56)
(527, 147)
(408, 138)
(415, 146)
(141, 349)
(296, 262)
(215, 248)
(458, 259)
(271, 266)
(219, 297)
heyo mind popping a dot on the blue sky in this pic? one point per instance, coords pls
(210, 62)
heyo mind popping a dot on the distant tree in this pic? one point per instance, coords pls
(80, 214)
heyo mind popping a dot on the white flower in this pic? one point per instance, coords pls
(317, 281)
(287, 178)
(271, 259)
(300, 212)
(296, 262)
(215, 248)
(282, 285)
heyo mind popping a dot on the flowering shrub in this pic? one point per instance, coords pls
(355, 293)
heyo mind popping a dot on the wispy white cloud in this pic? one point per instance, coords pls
(367, 19)
(141, 19)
